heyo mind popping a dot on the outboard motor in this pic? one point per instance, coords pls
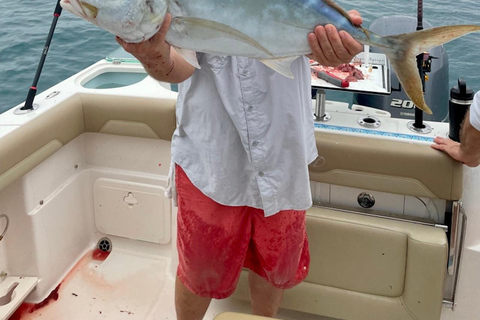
(436, 88)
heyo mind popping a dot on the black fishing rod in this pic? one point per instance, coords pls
(33, 89)
(420, 64)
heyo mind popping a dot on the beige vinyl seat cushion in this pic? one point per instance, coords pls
(26, 147)
(398, 167)
(369, 268)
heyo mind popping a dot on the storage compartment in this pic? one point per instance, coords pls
(132, 210)
(109, 80)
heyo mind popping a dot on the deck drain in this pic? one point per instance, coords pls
(105, 244)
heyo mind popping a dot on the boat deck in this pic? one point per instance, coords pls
(127, 283)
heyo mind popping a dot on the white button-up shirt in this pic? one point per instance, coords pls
(245, 133)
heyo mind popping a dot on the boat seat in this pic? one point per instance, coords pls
(381, 269)
(26, 147)
(391, 166)
(129, 116)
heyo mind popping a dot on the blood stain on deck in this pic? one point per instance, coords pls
(32, 307)
(100, 255)
(28, 308)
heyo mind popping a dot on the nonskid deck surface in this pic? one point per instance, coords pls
(123, 284)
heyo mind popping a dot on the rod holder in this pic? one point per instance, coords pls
(320, 101)
(424, 129)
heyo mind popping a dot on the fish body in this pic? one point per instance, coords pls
(277, 29)
(275, 32)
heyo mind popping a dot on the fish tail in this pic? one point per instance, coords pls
(402, 50)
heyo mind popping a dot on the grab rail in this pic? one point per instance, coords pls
(457, 231)
(6, 227)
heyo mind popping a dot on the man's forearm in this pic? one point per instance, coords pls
(470, 143)
(174, 70)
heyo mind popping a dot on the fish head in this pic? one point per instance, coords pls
(132, 20)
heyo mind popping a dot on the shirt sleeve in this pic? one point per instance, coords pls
(475, 112)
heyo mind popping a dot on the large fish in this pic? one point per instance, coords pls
(273, 31)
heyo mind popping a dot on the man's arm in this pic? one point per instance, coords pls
(161, 61)
(468, 151)
(470, 146)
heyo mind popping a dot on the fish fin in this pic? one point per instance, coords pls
(408, 45)
(189, 56)
(89, 10)
(407, 73)
(424, 40)
(281, 65)
(220, 29)
(74, 8)
(344, 13)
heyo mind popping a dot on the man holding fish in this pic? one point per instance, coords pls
(242, 147)
(245, 132)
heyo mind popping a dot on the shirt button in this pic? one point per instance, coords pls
(255, 143)
(261, 173)
(250, 108)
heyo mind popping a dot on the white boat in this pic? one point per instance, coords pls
(89, 233)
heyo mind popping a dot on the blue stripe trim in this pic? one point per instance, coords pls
(373, 132)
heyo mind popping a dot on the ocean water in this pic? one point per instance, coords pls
(24, 26)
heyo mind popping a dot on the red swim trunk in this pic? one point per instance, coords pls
(215, 241)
